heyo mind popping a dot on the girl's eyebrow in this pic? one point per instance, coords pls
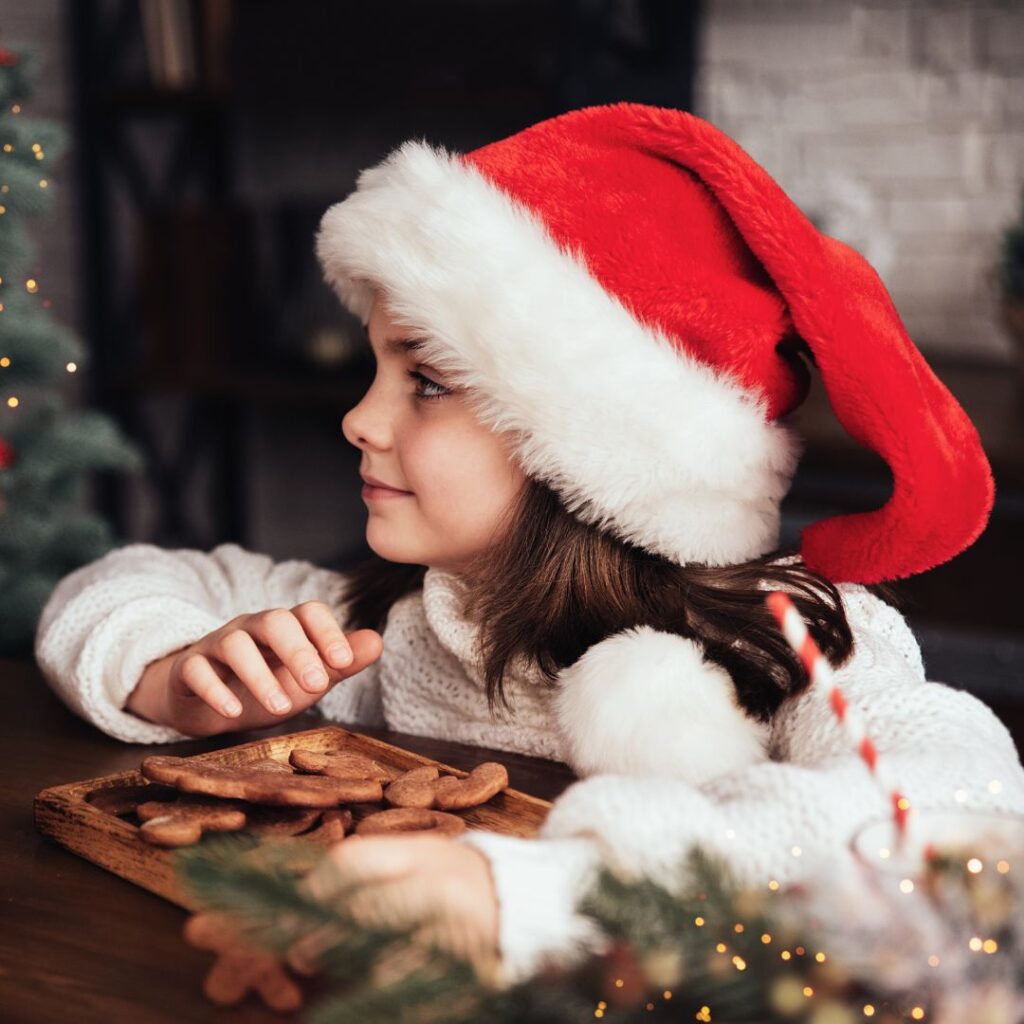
(405, 344)
(400, 345)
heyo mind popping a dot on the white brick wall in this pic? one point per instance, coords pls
(895, 125)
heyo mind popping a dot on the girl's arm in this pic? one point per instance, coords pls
(107, 621)
(771, 820)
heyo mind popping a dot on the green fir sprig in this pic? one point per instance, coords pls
(712, 950)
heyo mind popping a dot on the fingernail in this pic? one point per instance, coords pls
(232, 707)
(315, 677)
(340, 654)
(279, 702)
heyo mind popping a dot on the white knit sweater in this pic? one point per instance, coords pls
(773, 811)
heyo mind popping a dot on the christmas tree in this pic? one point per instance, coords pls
(44, 447)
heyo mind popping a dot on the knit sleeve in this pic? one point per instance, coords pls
(770, 820)
(106, 621)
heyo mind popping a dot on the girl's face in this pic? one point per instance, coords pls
(419, 436)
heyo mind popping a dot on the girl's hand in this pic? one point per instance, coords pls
(259, 668)
(442, 888)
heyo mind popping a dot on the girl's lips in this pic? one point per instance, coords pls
(372, 493)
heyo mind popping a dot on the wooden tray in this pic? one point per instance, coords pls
(65, 814)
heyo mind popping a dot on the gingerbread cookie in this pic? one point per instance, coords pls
(280, 821)
(241, 966)
(410, 819)
(259, 785)
(483, 782)
(334, 824)
(414, 788)
(341, 765)
(182, 822)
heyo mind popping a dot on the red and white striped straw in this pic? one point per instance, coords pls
(820, 671)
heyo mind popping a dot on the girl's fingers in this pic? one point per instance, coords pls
(393, 902)
(375, 858)
(361, 860)
(281, 631)
(199, 676)
(317, 619)
(239, 652)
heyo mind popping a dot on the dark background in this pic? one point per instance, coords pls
(215, 343)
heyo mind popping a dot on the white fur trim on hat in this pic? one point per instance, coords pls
(647, 702)
(636, 437)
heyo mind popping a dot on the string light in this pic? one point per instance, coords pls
(975, 943)
(796, 851)
(960, 796)
(917, 1013)
(785, 954)
(703, 1014)
(13, 402)
(699, 922)
(974, 865)
(31, 286)
(721, 947)
(1003, 867)
(72, 367)
(43, 183)
(869, 1010)
(933, 961)
(990, 945)
(766, 938)
(666, 994)
(906, 886)
(808, 991)
(995, 786)
(5, 360)
(773, 885)
(739, 963)
(738, 928)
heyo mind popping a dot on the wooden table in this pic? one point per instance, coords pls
(79, 943)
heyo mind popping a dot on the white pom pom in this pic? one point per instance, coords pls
(646, 702)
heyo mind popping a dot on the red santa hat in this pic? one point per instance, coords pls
(622, 286)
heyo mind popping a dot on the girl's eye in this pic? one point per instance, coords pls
(427, 382)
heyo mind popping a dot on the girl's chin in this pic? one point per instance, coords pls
(384, 543)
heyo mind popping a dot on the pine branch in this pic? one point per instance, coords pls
(718, 952)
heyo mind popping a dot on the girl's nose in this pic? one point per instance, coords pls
(365, 427)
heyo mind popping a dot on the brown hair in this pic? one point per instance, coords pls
(552, 586)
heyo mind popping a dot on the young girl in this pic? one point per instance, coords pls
(588, 336)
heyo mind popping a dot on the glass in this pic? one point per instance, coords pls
(969, 836)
